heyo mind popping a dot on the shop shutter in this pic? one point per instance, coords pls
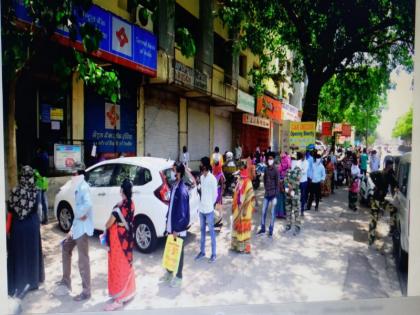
(198, 130)
(223, 131)
(161, 130)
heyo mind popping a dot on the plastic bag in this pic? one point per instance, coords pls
(172, 253)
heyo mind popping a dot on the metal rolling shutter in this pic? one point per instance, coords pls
(198, 131)
(223, 131)
(161, 130)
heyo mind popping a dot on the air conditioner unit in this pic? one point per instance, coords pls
(143, 18)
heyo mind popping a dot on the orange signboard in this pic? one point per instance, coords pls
(270, 108)
(326, 128)
(346, 130)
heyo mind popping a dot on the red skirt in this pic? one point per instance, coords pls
(121, 278)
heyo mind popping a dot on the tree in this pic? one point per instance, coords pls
(404, 126)
(24, 44)
(356, 97)
(327, 37)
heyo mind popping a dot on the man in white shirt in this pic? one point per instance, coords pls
(303, 164)
(208, 200)
(374, 162)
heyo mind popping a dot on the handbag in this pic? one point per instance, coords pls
(172, 253)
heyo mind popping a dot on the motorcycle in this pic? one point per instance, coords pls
(258, 172)
(228, 170)
(367, 188)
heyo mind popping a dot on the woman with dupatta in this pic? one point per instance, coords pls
(25, 262)
(121, 278)
(243, 206)
(329, 169)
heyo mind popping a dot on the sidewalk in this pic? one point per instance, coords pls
(329, 260)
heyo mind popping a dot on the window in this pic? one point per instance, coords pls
(138, 175)
(100, 176)
(243, 66)
(220, 56)
(183, 18)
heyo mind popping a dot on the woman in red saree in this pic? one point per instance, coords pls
(121, 277)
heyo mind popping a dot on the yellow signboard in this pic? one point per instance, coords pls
(302, 134)
(57, 114)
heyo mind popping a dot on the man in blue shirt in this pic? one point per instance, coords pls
(318, 177)
(80, 231)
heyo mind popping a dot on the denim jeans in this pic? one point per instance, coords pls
(207, 219)
(42, 199)
(267, 202)
(281, 205)
(303, 195)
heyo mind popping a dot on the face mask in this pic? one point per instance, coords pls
(318, 161)
(173, 176)
(270, 162)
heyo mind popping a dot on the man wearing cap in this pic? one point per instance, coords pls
(80, 231)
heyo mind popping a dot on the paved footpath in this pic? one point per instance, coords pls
(329, 260)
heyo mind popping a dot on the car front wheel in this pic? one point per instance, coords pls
(145, 235)
(65, 216)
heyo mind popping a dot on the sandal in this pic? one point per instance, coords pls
(113, 306)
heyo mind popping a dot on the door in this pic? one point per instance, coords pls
(198, 131)
(161, 130)
(104, 193)
(223, 132)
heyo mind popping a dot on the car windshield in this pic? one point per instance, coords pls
(188, 179)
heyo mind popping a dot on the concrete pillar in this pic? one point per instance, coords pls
(212, 144)
(232, 67)
(166, 32)
(183, 123)
(205, 45)
(414, 233)
(78, 112)
(140, 121)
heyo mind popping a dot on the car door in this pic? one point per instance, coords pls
(104, 193)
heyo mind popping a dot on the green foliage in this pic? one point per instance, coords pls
(185, 42)
(404, 126)
(326, 37)
(356, 97)
(25, 43)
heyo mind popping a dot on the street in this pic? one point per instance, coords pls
(329, 260)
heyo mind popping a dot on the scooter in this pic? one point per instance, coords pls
(228, 170)
(367, 188)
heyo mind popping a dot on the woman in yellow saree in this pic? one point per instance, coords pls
(243, 206)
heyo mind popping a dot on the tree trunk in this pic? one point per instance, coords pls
(10, 135)
(310, 108)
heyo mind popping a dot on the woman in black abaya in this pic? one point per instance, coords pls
(25, 264)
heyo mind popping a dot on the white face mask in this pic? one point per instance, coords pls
(173, 176)
(270, 162)
(318, 161)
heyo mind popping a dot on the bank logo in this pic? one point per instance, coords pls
(112, 116)
(122, 37)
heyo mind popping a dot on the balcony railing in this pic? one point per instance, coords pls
(205, 80)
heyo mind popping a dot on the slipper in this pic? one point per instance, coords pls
(113, 306)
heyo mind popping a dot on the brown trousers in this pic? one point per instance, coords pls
(82, 244)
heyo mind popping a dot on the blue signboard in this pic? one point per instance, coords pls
(122, 43)
(111, 126)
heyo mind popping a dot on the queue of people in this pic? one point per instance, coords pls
(291, 187)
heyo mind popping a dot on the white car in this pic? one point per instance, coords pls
(402, 203)
(151, 193)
